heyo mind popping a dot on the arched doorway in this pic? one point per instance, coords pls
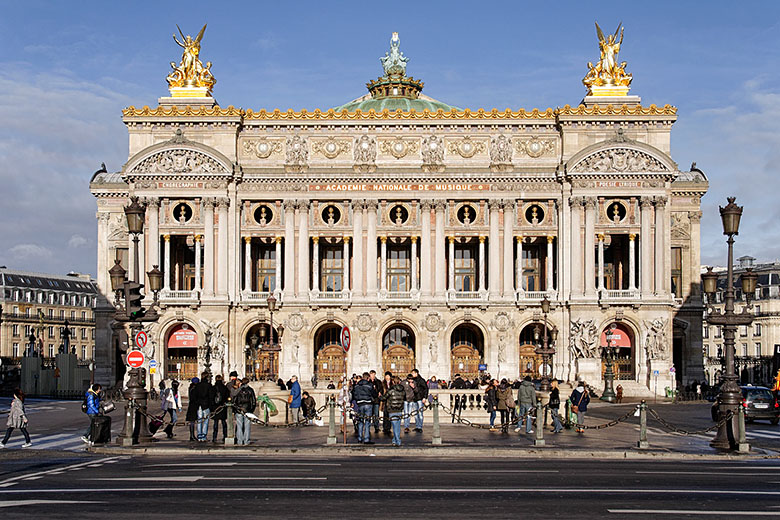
(530, 362)
(262, 353)
(467, 348)
(398, 348)
(329, 359)
(623, 339)
(182, 353)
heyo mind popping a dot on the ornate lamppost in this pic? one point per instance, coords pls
(546, 350)
(730, 395)
(207, 355)
(609, 372)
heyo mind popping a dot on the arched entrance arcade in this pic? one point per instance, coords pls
(262, 353)
(329, 358)
(181, 345)
(623, 342)
(398, 350)
(530, 363)
(467, 351)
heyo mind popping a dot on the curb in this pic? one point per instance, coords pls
(442, 451)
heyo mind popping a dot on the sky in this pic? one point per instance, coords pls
(68, 68)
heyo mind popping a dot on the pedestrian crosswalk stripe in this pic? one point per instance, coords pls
(764, 434)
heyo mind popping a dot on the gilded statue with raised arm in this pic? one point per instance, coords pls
(190, 73)
(608, 76)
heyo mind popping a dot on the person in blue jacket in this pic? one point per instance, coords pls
(295, 400)
(93, 408)
(580, 398)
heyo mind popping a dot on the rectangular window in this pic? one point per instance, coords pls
(83, 352)
(757, 330)
(331, 268)
(83, 315)
(93, 333)
(677, 272)
(15, 329)
(16, 350)
(27, 330)
(84, 333)
(51, 313)
(757, 348)
(72, 315)
(51, 331)
(718, 331)
(705, 331)
(743, 331)
(62, 314)
(51, 350)
(398, 267)
(465, 267)
(266, 268)
(744, 350)
(532, 268)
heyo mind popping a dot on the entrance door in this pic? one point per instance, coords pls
(182, 353)
(398, 359)
(530, 361)
(330, 363)
(465, 361)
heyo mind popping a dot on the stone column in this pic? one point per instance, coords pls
(371, 255)
(289, 249)
(646, 248)
(167, 266)
(660, 247)
(303, 249)
(345, 285)
(590, 249)
(208, 247)
(414, 263)
(631, 262)
(695, 218)
(278, 266)
(549, 263)
(383, 264)
(357, 247)
(495, 257)
(452, 265)
(425, 248)
(601, 261)
(153, 210)
(104, 282)
(315, 264)
(576, 246)
(198, 238)
(508, 265)
(222, 248)
(247, 264)
(439, 250)
(519, 265)
(481, 285)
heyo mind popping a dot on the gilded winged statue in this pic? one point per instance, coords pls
(190, 72)
(608, 72)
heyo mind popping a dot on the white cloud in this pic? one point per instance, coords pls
(77, 241)
(29, 252)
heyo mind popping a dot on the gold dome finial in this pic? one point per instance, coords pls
(190, 78)
(608, 77)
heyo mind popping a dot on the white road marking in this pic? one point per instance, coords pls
(763, 435)
(195, 478)
(16, 503)
(737, 468)
(233, 489)
(691, 512)
(470, 471)
(700, 473)
(56, 470)
(241, 464)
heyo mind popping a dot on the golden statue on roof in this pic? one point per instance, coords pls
(608, 77)
(190, 78)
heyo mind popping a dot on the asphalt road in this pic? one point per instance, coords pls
(374, 487)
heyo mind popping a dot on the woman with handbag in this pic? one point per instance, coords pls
(491, 402)
(17, 419)
(506, 401)
(579, 400)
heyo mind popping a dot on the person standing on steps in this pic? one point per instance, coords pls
(554, 404)
(192, 408)
(364, 394)
(17, 419)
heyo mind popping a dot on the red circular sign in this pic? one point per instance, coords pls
(346, 338)
(135, 359)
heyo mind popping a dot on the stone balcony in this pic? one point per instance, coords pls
(259, 298)
(467, 298)
(620, 296)
(341, 298)
(170, 297)
(399, 299)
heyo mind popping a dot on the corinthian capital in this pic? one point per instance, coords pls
(645, 202)
(661, 201)
(371, 205)
(495, 205)
(440, 204)
(426, 204)
(590, 202)
(223, 202)
(289, 205)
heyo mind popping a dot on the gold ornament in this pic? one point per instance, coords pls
(190, 78)
(608, 77)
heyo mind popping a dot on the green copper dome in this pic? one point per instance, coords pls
(395, 90)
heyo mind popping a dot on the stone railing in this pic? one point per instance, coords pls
(260, 297)
(619, 294)
(463, 298)
(342, 297)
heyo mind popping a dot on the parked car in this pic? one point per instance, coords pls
(759, 404)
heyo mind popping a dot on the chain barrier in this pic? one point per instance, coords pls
(466, 422)
(267, 424)
(675, 429)
(354, 415)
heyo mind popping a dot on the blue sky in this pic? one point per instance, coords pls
(68, 68)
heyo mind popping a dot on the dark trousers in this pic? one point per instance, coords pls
(504, 419)
(24, 432)
(375, 414)
(216, 428)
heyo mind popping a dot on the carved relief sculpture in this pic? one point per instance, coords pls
(619, 160)
(656, 342)
(296, 154)
(582, 339)
(179, 161)
(262, 148)
(466, 148)
(432, 154)
(364, 153)
(399, 147)
(535, 147)
(331, 147)
(365, 322)
(500, 153)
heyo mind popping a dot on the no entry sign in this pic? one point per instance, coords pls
(346, 338)
(141, 339)
(135, 359)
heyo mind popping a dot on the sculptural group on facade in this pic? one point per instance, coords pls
(608, 72)
(582, 340)
(191, 72)
(656, 341)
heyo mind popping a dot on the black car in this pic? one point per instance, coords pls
(758, 402)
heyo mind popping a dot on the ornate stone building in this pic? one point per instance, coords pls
(433, 232)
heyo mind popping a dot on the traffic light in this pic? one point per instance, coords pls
(133, 297)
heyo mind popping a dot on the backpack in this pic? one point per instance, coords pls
(244, 399)
(84, 405)
(217, 395)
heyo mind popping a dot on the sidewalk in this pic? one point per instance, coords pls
(616, 442)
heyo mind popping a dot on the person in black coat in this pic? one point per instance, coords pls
(192, 408)
(420, 395)
(203, 395)
(363, 394)
(491, 401)
(221, 395)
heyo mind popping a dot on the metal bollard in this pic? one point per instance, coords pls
(539, 440)
(642, 444)
(230, 439)
(436, 439)
(567, 409)
(331, 419)
(742, 444)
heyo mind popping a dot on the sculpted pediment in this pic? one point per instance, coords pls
(619, 160)
(179, 161)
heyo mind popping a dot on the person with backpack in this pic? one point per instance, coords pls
(221, 395)
(394, 400)
(554, 404)
(91, 406)
(17, 419)
(203, 394)
(170, 402)
(526, 400)
(245, 402)
(579, 404)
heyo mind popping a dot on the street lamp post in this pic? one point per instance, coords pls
(207, 356)
(730, 395)
(547, 349)
(609, 372)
